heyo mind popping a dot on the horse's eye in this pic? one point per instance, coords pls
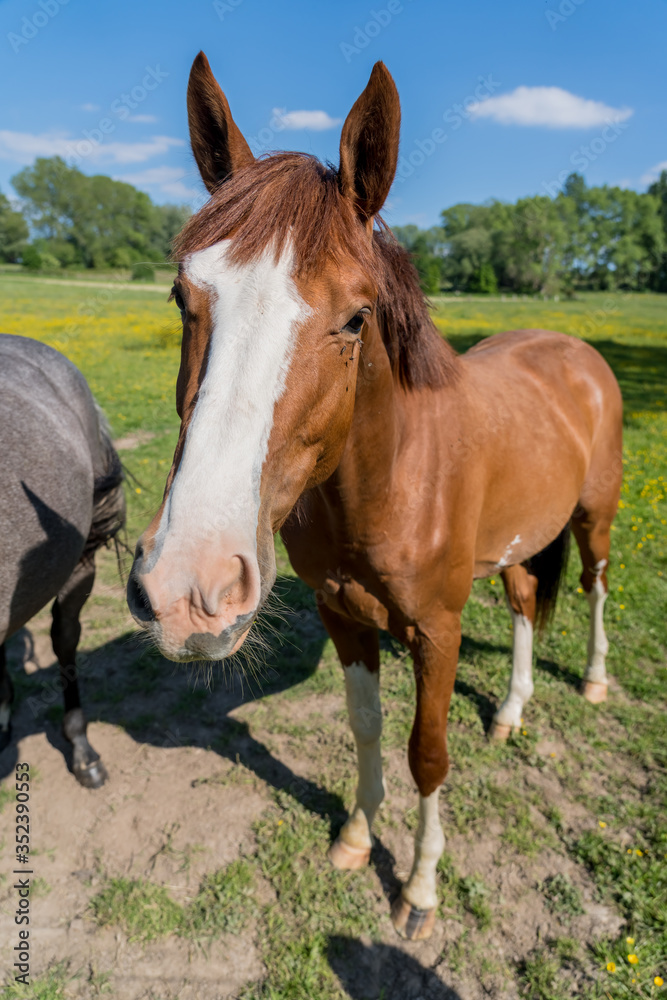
(178, 299)
(356, 323)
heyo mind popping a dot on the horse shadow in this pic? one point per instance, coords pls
(42, 565)
(382, 971)
(127, 684)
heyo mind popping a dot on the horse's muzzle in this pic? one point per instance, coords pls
(200, 612)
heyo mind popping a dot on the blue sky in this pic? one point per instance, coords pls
(499, 100)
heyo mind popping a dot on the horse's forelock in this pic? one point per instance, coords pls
(294, 197)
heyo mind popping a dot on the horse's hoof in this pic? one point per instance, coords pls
(499, 731)
(92, 775)
(594, 691)
(347, 858)
(411, 923)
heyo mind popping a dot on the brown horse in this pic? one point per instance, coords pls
(316, 398)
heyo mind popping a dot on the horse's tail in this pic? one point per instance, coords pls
(549, 567)
(108, 494)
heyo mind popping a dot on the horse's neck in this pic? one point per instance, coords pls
(365, 469)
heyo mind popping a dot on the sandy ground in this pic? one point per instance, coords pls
(174, 809)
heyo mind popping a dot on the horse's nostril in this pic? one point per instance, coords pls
(137, 598)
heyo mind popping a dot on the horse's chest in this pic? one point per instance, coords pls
(347, 596)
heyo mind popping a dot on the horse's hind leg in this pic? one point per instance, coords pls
(6, 699)
(520, 590)
(591, 530)
(358, 649)
(87, 766)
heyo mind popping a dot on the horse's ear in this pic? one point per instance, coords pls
(217, 143)
(369, 144)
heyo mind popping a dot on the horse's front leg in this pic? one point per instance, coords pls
(358, 649)
(435, 657)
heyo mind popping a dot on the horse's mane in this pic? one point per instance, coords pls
(108, 497)
(294, 196)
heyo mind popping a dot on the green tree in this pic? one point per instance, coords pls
(658, 190)
(425, 246)
(594, 238)
(528, 248)
(13, 232)
(484, 280)
(94, 221)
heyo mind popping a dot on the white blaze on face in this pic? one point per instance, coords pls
(254, 310)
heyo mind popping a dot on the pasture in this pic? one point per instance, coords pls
(200, 871)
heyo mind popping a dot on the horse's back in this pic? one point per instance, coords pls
(552, 360)
(49, 455)
(545, 375)
(551, 412)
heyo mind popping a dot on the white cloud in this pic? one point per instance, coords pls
(653, 174)
(168, 180)
(23, 147)
(90, 107)
(318, 121)
(141, 118)
(551, 107)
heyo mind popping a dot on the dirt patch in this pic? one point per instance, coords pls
(133, 440)
(193, 770)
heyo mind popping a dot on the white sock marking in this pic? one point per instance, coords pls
(420, 889)
(362, 689)
(521, 679)
(598, 645)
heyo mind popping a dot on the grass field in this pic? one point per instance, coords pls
(554, 880)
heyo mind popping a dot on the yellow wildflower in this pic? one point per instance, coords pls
(632, 959)
(659, 981)
(601, 824)
(630, 941)
(611, 966)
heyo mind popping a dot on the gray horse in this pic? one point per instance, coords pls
(61, 498)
